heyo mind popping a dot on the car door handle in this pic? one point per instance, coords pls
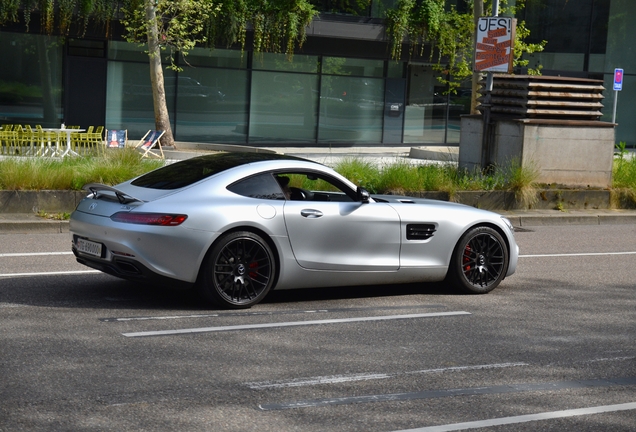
(311, 214)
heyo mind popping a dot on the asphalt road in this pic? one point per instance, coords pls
(552, 349)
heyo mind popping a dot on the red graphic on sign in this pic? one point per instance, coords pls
(494, 45)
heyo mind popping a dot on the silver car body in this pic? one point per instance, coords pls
(317, 243)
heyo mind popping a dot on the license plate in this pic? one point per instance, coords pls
(89, 247)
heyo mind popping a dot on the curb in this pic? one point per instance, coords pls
(34, 227)
(28, 223)
(562, 220)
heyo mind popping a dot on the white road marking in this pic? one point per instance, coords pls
(577, 254)
(335, 379)
(525, 418)
(436, 394)
(610, 359)
(289, 324)
(4, 275)
(4, 255)
(153, 318)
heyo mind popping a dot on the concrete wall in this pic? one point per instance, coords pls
(571, 153)
(35, 201)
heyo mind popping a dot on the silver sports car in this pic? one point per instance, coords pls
(236, 225)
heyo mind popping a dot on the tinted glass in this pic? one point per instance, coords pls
(262, 186)
(283, 107)
(211, 104)
(352, 67)
(31, 79)
(221, 58)
(280, 62)
(190, 171)
(351, 109)
(311, 186)
(129, 103)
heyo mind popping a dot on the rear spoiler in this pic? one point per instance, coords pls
(97, 189)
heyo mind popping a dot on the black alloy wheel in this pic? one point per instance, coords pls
(240, 270)
(479, 262)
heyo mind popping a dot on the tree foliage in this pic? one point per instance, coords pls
(450, 34)
(56, 16)
(278, 25)
(179, 24)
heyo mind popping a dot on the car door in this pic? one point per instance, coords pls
(345, 236)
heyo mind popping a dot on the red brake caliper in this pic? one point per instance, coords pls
(253, 266)
(467, 252)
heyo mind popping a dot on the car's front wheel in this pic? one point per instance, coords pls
(479, 262)
(239, 271)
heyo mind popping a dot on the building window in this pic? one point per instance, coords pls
(31, 87)
(351, 109)
(283, 107)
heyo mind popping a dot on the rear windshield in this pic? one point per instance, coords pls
(189, 171)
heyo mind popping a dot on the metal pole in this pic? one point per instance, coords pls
(615, 104)
(447, 108)
(485, 145)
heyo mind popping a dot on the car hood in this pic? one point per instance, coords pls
(402, 199)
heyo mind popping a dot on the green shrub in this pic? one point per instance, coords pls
(18, 173)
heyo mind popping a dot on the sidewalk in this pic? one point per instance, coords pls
(14, 223)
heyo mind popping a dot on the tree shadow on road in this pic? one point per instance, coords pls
(100, 291)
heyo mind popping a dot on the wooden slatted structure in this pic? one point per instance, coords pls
(544, 97)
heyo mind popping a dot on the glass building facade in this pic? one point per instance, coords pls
(340, 89)
(590, 38)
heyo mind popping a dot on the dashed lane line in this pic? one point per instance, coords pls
(74, 272)
(290, 324)
(337, 379)
(525, 418)
(576, 254)
(271, 313)
(30, 254)
(434, 394)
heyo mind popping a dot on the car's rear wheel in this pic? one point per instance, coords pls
(239, 271)
(479, 262)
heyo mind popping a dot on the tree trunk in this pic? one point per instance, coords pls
(162, 118)
(478, 12)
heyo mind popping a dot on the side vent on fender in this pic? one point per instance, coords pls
(420, 231)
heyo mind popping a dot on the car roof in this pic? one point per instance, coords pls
(190, 171)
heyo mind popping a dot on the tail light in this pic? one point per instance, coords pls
(161, 219)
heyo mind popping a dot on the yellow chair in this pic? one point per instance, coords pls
(90, 141)
(50, 143)
(98, 139)
(15, 142)
(31, 140)
(7, 136)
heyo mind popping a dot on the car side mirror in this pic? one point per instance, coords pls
(363, 195)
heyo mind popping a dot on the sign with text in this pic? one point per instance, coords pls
(494, 44)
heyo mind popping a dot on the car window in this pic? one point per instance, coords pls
(190, 171)
(310, 186)
(262, 186)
